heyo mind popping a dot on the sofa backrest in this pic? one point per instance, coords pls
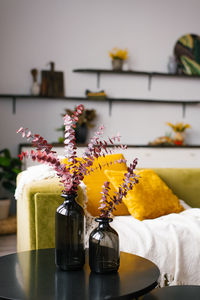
(184, 182)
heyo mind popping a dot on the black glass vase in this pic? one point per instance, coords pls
(104, 255)
(69, 234)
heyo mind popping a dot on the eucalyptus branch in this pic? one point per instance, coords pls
(108, 203)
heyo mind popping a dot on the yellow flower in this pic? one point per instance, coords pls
(118, 53)
(179, 127)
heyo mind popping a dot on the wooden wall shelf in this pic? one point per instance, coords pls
(136, 73)
(14, 97)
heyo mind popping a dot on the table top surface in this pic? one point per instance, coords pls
(34, 275)
(179, 292)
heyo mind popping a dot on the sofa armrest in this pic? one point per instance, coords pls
(36, 204)
(45, 209)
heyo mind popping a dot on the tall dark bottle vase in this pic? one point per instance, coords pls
(104, 255)
(69, 234)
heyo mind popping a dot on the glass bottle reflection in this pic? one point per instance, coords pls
(70, 285)
(101, 286)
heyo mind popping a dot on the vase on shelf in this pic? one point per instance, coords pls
(172, 65)
(69, 234)
(179, 138)
(117, 64)
(81, 133)
(104, 255)
(35, 89)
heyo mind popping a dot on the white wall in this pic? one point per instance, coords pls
(79, 34)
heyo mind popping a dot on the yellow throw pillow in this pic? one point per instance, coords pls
(95, 180)
(150, 198)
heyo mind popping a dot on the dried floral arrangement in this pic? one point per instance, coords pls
(117, 53)
(179, 127)
(72, 174)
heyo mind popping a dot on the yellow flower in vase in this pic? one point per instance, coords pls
(118, 56)
(179, 129)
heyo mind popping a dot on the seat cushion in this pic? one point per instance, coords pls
(150, 198)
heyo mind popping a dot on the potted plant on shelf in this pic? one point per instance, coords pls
(9, 168)
(118, 56)
(82, 125)
(69, 219)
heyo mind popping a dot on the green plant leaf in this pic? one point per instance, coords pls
(16, 162)
(7, 153)
(4, 161)
(16, 171)
(9, 176)
(9, 186)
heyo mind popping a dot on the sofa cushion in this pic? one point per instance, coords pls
(150, 198)
(184, 182)
(95, 180)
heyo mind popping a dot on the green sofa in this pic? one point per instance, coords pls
(37, 204)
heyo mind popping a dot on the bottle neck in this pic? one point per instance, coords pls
(69, 198)
(103, 222)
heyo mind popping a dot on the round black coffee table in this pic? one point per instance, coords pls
(32, 275)
(179, 292)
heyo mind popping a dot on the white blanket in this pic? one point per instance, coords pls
(34, 173)
(172, 242)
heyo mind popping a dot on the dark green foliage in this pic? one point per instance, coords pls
(9, 168)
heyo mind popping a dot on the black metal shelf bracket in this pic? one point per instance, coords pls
(149, 81)
(14, 105)
(183, 110)
(98, 79)
(110, 107)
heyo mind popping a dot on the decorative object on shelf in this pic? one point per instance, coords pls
(187, 52)
(179, 130)
(71, 173)
(52, 82)
(9, 168)
(172, 65)
(96, 95)
(118, 56)
(162, 141)
(104, 240)
(82, 125)
(35, 89)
